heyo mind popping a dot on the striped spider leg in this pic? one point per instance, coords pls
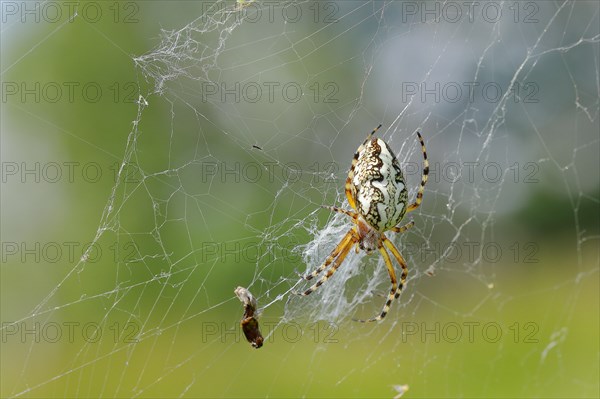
(376, 192)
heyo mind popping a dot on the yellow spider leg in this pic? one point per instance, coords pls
(338, 261)
(336, 251)
(394, 293)
(402, 229)
(400, 260)
(419, 199)
(349, 194)
(353, 215)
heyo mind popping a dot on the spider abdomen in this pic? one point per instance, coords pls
(378, 186)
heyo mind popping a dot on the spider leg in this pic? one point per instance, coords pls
(390, 245)
(419, 199)
(402, 229)
(369, 137)
(353, 215)
(334, 254)
(338, 261)
(394, 292)
(349, 193)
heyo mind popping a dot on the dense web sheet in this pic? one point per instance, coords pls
(247, 120)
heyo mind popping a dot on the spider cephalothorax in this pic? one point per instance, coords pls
(375, 189)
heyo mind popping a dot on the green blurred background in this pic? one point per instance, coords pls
(180, 208)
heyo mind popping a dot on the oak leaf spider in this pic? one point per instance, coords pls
(376, 192)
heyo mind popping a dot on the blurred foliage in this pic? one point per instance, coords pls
(547, 213)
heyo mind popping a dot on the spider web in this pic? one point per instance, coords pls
(247, 119)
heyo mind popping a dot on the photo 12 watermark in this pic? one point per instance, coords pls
(68, 252)
(52, 92)
(69, 332)
(490, 12)
(59, 171)
(469, 332)
(469, 92)
(271, 11)
(269, 92)
(55, 12)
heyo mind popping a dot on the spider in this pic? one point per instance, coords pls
(375, 189)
